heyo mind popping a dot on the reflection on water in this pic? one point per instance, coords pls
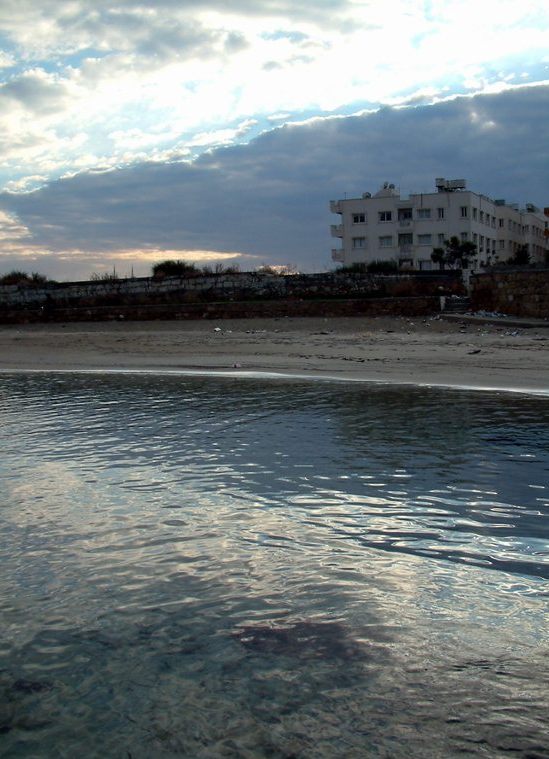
(213, 567)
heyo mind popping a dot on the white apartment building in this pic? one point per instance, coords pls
(388, 227)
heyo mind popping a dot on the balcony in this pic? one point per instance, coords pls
(405, 222)
(338, 254)
(335, 206)
(406, 248)
(336, 230)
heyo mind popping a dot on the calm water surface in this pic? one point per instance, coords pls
(212, 567)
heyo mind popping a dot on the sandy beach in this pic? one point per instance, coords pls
(422, 351)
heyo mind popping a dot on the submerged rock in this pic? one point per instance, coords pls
(327, 640)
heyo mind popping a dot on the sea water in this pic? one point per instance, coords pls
(214, 567)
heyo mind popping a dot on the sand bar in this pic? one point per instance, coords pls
(422, 351)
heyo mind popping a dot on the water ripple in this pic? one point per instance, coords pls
(208, 567)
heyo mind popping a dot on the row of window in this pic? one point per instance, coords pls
(407, 239)
(406, 214)
(536, 231)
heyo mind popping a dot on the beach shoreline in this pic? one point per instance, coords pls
(425, 351)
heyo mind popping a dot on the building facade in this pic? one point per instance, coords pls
(388, 227)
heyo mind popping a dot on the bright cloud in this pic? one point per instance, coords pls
(105, 85)
(117, 80)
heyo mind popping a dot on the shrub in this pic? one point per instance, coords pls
(106, 276)
(521, 257)
(356, 268)
(175, 269)
(22, 278)
(383, 267)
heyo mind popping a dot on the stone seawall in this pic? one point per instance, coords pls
(245, 294)
(517, 293)
(218, 287)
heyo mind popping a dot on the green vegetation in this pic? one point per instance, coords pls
(176, 268)
(454, 252)
(107, 276)
(382, 267)
(374, 267)
(357, 268)
(21, 278)
(521, 257)
(220, 268)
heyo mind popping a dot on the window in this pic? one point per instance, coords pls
(424, 213)
(501, 222)
(406, 239)
(475, 211)
(464, 212)
(441, 239)
(482, 217)
(481, 243)
(502, 244)
(440, 213)
(386, 241)
(359, 218)
(385, 215)
(463, 236)
(424, 239)
(493, 222)
(359, 242)
(475, 237)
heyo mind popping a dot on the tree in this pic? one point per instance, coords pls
(455, 251)
(438, 256)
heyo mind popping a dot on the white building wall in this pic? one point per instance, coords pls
(388, 227)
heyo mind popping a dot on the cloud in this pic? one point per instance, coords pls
(35, 91)
(121, 81)
(269, 198)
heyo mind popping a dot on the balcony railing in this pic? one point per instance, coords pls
(406, 248)
(336, 230)
(338, 254)
(405, 222)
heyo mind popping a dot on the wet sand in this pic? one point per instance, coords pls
(395, 350)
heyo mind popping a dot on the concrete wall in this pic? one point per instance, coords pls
(518, 293)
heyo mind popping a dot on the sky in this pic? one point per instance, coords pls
(217, 132)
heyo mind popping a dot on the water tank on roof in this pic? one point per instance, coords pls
(366, 194)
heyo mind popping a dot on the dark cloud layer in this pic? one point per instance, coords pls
(270, 198)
